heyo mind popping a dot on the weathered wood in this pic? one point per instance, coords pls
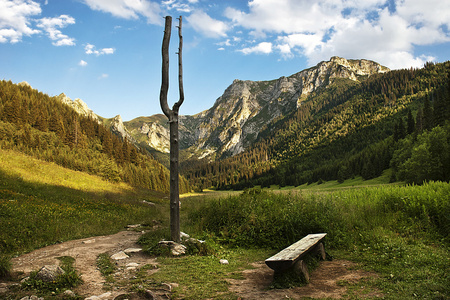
(301, 269)
(287, 257)
(172, 115)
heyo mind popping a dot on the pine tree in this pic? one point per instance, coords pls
(410, 124)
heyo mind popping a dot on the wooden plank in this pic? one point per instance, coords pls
(286, 257)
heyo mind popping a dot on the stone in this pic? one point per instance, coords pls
(184, 235)
(100, 297)
(119, 255)
(175, 248)
(132, 265)
(148, 203)
(132, 250)
(89, 241)
(49, 273)
(224, 262)
(134, 226)
(69, 293)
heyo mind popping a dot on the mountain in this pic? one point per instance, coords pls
(245, 108)
(68, 133)
(396, 122)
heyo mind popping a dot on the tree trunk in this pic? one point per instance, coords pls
(172, 115)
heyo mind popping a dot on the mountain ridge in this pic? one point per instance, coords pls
(237, 116)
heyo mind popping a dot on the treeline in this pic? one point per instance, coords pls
(347, 129)
(46, 128)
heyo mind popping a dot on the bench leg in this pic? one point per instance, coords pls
(302, 270)
(320, 250)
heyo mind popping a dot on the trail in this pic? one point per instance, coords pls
(329, 280)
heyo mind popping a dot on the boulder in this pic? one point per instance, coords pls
(49, 273)
(175, 248)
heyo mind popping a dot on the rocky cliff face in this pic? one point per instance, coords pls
(238, 116)
(78, 105)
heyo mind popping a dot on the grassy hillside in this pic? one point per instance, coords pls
(45, 128)
(42, 203)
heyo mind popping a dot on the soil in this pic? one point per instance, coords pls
(327, 281)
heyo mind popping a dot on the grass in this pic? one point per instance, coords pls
(399, 232)
(69, 279)
(42, 203)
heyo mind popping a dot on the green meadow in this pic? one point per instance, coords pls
(42, 203)
(400, 232)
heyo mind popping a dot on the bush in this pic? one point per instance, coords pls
(5, 266)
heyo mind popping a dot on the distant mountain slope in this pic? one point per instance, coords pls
(349, 128)
(246, 107)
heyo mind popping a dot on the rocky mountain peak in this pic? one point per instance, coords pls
(78, 105)
(237, 117)
(119, 128)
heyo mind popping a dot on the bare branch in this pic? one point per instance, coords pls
(165, 67)
(180, 68)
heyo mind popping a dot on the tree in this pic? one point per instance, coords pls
(410, 124)
(172, 115)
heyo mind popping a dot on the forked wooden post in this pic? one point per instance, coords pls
(172, 115)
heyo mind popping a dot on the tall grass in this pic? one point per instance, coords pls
(401, 232)
(260, 218)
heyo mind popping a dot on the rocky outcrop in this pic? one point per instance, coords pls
(238, 116)
(157, 136)
(118, 128)
(78, 105)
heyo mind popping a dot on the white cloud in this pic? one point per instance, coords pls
(82, 63)
(91, 49)
(15, 18)
(50, 25)
(203, 23)
(382, 30)
(177, 5)
(128, 9)
(261, 48)
(103, 76)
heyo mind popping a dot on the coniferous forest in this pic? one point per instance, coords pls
(399, 120)
(43, 127)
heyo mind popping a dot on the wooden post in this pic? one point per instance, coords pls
(172, 115)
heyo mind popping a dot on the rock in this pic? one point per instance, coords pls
(134, 226)
(119, 255)
(224, 262)
(148, 203)
(89, 241)
(132, 265)
(150, 295)
(132, 250)
(49, 273)
(32, 298)
(69, 293)
(184, 235)
(100, 297)
(175, 248)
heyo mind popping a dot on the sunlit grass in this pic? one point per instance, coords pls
(32, 170)
(42, 203)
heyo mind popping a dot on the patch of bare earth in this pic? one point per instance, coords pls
(85, 252)
(325, 282)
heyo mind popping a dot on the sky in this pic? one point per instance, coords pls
(108, 52)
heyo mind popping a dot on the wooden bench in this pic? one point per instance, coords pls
(291, 257)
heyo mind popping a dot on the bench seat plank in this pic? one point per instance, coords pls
(288, 256)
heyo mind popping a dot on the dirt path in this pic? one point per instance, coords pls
(85, 252)
(325, 282)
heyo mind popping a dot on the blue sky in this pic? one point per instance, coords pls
(108, 52)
